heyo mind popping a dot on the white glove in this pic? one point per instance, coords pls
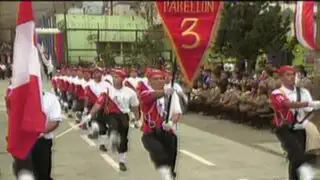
(168, 91)
(314, 104)
(25, 175)
(69, 97)
(306, 172)
(86, 119)
(85, 111)
(300, 125)
(132, 116)
(41, 135)
(65, 105)
(167, 126)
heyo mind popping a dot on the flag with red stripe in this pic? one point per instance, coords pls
(306, 24)
(26, 118)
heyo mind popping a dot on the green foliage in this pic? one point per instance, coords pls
(249, 29)
(61, 25)
(85, 64)
(150, 47)
(299, 53)
(108, 56)
(291, 44)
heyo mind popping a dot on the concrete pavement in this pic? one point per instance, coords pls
(262, 139)
(203, 155)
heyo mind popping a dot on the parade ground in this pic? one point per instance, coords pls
(208, 149)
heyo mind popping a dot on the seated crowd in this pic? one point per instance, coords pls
(240, 98)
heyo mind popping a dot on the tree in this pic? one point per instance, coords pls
(151, 44)
(249, 29)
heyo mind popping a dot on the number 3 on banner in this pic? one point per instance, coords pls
(190, 31)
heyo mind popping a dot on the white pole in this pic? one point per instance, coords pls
(47, 31)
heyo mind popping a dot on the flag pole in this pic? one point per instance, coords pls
(174, 72)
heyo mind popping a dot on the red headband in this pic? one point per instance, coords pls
(154, 72)
(119, 72)
(285, 68)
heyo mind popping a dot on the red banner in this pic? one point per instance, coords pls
(191, 26)
(59, 48)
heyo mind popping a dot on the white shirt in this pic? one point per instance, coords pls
(145, 80)
(98, 88)
(292, 96)
(178, 89)
(175, 107)
(133, 81)
(108, 77)
(3, 67)
(176, 86)
(124, 98)
(52, 109)
(84, 83)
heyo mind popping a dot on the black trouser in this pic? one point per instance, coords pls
(293, 142)
(70, 98)
(49, 76)
(56, 91)
(119, 123)
(101, 119)
(64, 96)
(2, 74)
(162, 147)
(39, 161)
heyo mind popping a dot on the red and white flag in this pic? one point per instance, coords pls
(26, 118)
(307, 25)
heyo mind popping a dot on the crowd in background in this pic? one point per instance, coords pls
(5, 60)
(239, 96)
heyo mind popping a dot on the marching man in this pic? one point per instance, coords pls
(93, 90)
(176, 87)
(132, 82)
(293, 106)
(158, 136)
(70, 91)
(107, 77)
(79, 92)
(117, 103)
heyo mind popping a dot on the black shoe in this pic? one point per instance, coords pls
(78, 116)
(174, 174)
(122, 167)
(103, 148)
(93, 136)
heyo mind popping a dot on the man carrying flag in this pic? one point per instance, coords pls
(191, 31)
(32, 118)
(158, 136)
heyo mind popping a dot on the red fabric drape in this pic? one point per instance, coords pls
(59, 47)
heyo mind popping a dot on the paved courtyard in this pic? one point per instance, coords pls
(208, 149)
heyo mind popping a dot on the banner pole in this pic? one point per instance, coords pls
(174, 72)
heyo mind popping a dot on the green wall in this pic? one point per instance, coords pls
(79, 39)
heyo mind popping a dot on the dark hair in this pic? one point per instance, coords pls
(269, 71)
(263, 89)
(302, 70)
